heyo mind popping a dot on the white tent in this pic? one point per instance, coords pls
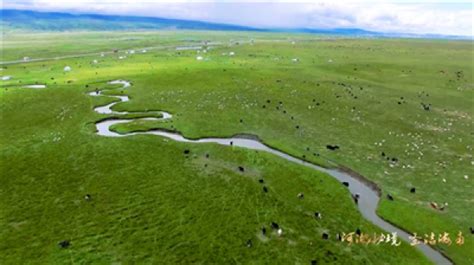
(67, 68)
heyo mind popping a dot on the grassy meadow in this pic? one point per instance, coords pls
(412, 100)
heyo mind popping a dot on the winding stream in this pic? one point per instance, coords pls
(369, 195)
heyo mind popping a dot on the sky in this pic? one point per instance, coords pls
(392, 16)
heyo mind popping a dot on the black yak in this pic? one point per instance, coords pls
(64, 244)
(249, 243)
(358, 232)
(355, 198)
(332, 147)
(275, 225)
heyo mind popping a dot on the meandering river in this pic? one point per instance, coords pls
(367, 191)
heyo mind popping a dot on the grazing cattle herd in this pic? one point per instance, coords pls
(276, 228)
(387, 155)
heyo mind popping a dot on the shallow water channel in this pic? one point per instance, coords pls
(368, 194)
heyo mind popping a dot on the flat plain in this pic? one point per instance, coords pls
(400, 111)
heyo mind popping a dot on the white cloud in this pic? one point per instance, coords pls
(386, 16)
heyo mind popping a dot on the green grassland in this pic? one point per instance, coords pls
(153, 204)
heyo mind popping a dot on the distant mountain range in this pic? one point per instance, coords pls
(55, 21)
(365, 33)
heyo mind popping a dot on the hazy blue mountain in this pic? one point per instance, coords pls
(55, 21)
(337, 31)
(355, 32)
